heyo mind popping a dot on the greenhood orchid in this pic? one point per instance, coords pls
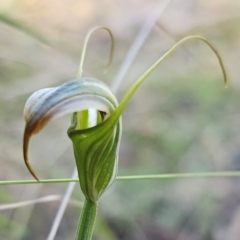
(95, 129)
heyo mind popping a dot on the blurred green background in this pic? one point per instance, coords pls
(182, 119)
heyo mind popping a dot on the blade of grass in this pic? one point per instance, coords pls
(63, 206)
(138, 42)
(23, 28)
(231, 174)
(45, 199)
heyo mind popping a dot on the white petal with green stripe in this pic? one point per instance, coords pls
(91, 99)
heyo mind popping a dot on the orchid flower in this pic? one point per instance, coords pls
(95, 130)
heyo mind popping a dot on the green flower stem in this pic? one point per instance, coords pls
(136, 177)
(86, 222)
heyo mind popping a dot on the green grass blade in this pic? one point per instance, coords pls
(23, 28)
(231, 174)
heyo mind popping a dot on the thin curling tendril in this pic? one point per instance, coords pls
(80, 70)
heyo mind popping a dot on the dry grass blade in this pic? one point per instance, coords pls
(50, 198)
(138, 42)
(62, 208)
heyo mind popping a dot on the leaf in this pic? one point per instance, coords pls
(23, 28)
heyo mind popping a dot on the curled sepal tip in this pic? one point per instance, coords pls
(80, 70)
(144, 76)
(73, 96)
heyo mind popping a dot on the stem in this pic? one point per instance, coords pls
(86, 222)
